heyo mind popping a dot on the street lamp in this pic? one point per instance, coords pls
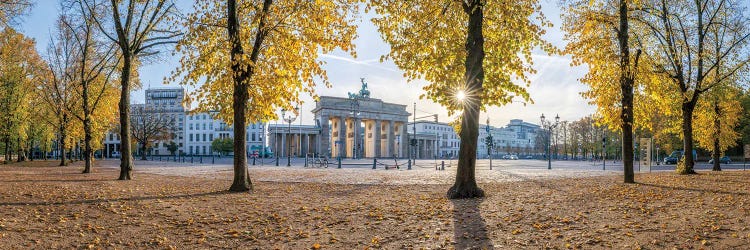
(549, 126)
(355, 125)
(289, 118)
(490, 143)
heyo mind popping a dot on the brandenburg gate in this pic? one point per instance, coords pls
(360, 126)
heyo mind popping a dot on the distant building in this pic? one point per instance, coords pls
(518, 137)
(193, 132)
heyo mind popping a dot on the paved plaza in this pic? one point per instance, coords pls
(360, 171)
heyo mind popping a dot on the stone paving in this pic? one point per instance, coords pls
(361, 172)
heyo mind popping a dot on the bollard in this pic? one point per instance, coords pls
(253, 161)
(212, 159)
(191, 159)
(339, 162)
(408, 166)
(305, 160)
(201, 159)
(374, 161)
(277, 160)
(443, 167)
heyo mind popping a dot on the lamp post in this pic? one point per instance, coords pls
(355, 125)
(549, 126)
(289, 119)
(490, 142)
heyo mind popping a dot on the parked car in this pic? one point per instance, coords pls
(506, 157)
(529, 157)
(670, 160)
(513, 157)
(676, 156)
(116, 154)
(722, 160)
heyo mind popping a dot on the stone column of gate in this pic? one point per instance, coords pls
(392, 139)
(324, 140)
(376, 138)
(404, 139)
(342, 137)
(304, 143)
(283, 145)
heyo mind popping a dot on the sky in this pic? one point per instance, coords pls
(554, 88)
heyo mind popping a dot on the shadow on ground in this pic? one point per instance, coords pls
(95, 201)
(469, 228)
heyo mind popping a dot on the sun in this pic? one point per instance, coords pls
(461, 95)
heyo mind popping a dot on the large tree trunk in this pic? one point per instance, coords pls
(87, 154)
(61, 144)
(717, 141)
(143, 152)
(19, 150)
(241, 181)
(7, 149)
(687, 142)
(626, 86)
(466, 184)
(126, 158)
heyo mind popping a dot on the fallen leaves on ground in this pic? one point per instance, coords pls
(44, 206)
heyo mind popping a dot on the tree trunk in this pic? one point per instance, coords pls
(143, 152)
(21, 155)
(717, 145)
(466, 184)
(7, 149)
(687, 142)
(626, 86)
(126, 158)
(87, 154)
(61, 144)
(241, 182)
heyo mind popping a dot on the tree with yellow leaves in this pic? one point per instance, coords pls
(261, 54)
(474, 53)
(695, 45)
(139, 29)
(716, 117)
(599, 36)
(18, 70)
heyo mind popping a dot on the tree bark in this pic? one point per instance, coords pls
(717, 141)
(626, 86)
(687, 142)
(466, 184)
(126, 158)
(241, 181)
(19, 150)
(61, 144)
(143, 152)
(87, 154)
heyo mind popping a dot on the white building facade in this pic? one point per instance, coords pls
(518, 137)
(192, 132)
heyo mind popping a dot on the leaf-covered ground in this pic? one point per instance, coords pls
(43, 206)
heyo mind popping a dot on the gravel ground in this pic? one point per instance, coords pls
(422, 173)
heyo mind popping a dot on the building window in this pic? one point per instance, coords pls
(253, 137)
(191, 137)
(204, 126)
(211, 137)
(190, 149)
(191, 126)
(204, 138)
(111, 136)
